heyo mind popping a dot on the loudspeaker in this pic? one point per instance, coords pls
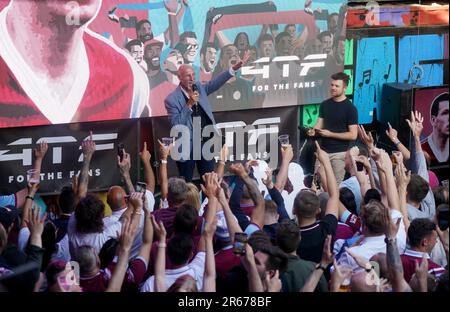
(395, 108)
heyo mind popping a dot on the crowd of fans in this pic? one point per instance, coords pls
(382, 229)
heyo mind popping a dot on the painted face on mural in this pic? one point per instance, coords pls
(440, 122)
(137, 52)
(267, 48)
(242, 42)
(209, 59)
(173, 61)
(152, 56)
(145, 32)
(191, 49)
(229, 57)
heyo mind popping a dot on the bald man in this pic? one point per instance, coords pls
(189, 104)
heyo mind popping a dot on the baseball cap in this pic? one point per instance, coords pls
(8, 215)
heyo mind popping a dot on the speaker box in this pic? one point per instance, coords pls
(395, 108)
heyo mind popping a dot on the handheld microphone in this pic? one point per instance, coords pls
(195, 89)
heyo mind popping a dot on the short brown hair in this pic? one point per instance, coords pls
(341, 76)
(372, 216)
(306, 204)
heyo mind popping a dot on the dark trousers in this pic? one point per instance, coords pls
(186, 168)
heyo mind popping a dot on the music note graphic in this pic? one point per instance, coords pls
(315, 111)
(310, 120)
(386, 76)
(367, 75)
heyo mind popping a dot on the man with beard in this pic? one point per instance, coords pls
(337, 124)
(236, 92)
(136, 50)
(208, 55)
(67, 76)
(436, 144)
(152, 54)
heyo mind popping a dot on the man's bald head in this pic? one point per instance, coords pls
(187, 76)
(116, 198)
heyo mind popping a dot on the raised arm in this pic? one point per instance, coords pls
(32, 189)
(209, 279)
(147, 239)
(394, 262)
(287, 154)
(39, 153)
(124, 168)
(385, 165)
(220, 169)
(148, 171)
(232, 224)
(275, 195)
(172, 7)
(403, 178)
(164, 153)
(248, 261)
(160, 262)
(257, 216)
(392, 135)
(210, 189)
(88, 148)
(368, 167)
(128, 232)
(333, 191)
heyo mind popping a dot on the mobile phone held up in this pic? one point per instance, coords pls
(120, 151)
(240, 242)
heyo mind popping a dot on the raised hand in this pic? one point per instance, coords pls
(171, 5)
(366, 137)
(127, 235)
(384, 163)
(251, 163)
(88, 147)
(40, 150)
(402, 177)
(268, 181)
(287, 153)
(145, 154)
(36, 221)
(164, 151)
(321, 155)
(136, 201)
(32, 188)
(327, 254)
(224, 152)
(125, 164)
(243, 61)
(238, 169)
(416, 123)
(159, 229)
(211, 184)
(392, 134)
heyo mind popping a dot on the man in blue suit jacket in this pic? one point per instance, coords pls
(189, 100)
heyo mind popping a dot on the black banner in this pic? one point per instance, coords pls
(249, 134)
(64, 156)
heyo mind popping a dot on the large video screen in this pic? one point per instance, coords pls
(93, 60)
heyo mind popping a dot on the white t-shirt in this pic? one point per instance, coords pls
(95, 240)
(196, 269)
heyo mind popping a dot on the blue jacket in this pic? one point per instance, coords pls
(180, 114)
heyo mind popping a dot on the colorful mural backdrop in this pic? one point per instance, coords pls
(91, 60)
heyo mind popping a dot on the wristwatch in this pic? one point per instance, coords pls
(321, 267)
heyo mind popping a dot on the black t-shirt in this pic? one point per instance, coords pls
(337, 116)
(313, 237)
